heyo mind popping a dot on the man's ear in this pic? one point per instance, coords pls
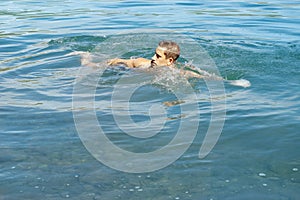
(170, 61)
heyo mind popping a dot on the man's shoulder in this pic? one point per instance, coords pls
(142, 62)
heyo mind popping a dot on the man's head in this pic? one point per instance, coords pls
(166, 54)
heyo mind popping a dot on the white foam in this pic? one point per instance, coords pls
(241, 82)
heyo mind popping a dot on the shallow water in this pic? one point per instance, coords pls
(42, 156)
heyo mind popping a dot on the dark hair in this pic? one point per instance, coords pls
(172, 49)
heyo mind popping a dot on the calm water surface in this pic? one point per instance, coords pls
(257, 155)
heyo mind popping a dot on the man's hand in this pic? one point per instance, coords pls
(86, 57)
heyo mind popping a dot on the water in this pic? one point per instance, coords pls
(42, 156)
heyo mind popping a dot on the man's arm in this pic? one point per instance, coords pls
(86, 59)
(190, 74)
(132, 63)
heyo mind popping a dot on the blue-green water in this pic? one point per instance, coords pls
(257, 155)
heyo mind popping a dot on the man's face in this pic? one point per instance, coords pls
(159, 58)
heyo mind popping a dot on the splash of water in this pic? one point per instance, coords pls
(241, 82)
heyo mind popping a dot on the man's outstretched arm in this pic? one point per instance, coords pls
(131, 63)
(190, 74)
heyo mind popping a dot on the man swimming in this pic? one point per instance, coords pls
(165, 55)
